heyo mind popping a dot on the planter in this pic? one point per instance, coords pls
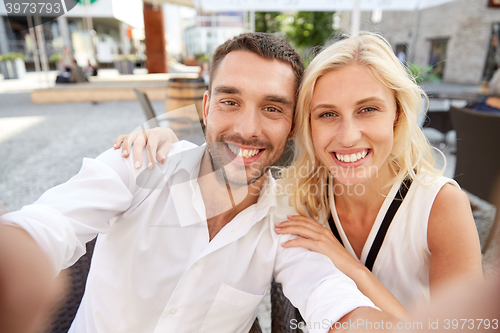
(13, 69)
(124, 66)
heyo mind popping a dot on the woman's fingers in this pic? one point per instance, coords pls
(118, 141)
(151, 148)
(300, 230)
(162, 152)
(138, 146)
(302, 242)
(127, 142)
(158, 142)
(301, 220)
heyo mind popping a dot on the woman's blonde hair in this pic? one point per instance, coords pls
(305, 180)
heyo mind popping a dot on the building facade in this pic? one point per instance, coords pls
(114, 24)
(203, 33)
(459, 39)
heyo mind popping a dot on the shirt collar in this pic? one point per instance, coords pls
(189, 162)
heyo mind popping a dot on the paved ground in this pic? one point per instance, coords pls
(42, 146)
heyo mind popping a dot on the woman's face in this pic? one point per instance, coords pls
(352, 124)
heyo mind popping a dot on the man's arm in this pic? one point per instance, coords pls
(67, 216)
(28, 289)
(365, 319)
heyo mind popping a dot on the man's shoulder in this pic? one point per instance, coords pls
(283, 209)
(181, 146)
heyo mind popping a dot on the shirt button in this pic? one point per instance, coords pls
(173, 311)
(195, 265)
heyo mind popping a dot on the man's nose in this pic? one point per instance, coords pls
(349, 132)
(249, 123)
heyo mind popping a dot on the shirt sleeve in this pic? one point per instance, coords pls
(321, 292)
(69, 215)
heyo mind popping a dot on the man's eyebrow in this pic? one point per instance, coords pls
(225, 90)
(279, 99)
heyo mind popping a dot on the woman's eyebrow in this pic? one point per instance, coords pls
(370, 99)
(323, 106)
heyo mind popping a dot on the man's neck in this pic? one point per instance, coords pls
(224, 202)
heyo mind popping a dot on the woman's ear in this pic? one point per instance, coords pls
(398, 113)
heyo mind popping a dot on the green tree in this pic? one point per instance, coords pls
(303, 30)
(269, 22)
(309, 29)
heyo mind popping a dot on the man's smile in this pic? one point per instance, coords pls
(242, 154)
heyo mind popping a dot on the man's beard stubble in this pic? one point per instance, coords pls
(218, 155)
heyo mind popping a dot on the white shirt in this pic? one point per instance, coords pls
(403, 263)
(152, 272)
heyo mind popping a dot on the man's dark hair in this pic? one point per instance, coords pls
(262, 44)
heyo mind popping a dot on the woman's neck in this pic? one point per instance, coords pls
(364, 198)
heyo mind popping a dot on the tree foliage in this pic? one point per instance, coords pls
(301, 29)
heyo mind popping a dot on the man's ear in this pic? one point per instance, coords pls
(292, 132)
(206, 102)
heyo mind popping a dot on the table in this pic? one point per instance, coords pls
(438, 116)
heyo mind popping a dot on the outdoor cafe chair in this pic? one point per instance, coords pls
(478, 155)
(182, 126)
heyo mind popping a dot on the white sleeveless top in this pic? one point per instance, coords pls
(402, 264)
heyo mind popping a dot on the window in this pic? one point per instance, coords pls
(437, 56)
(493, 56)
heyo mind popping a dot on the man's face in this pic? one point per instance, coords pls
(248, 115)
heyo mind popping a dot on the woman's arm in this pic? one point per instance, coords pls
(317, 238)
(158, 141)
(452, 238)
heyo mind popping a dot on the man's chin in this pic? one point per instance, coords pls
(236, 178)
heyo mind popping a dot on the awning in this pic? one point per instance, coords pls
(311, 5)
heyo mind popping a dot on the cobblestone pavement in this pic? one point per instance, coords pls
(43, 145)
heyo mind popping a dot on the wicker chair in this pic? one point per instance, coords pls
(282, 311)
(77, 276)
(478, 150)
(478, 154)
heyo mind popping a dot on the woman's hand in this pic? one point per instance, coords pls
(158, 141)
(315, 237)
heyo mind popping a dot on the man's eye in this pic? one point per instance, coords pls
(272, 109)
(230, 103)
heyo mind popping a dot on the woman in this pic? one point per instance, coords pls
(360, 147)
(357, 132)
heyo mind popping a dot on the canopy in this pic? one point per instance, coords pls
(303, 5)
(311, 5)
(187, 3)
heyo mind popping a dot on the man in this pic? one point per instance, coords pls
(190, 247)
(492, 101)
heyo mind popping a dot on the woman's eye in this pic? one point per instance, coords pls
(368, 110)
(327, 115)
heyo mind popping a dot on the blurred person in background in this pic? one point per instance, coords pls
(492, 102)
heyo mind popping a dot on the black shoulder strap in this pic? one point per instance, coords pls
(333, 227)
(382, 231)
